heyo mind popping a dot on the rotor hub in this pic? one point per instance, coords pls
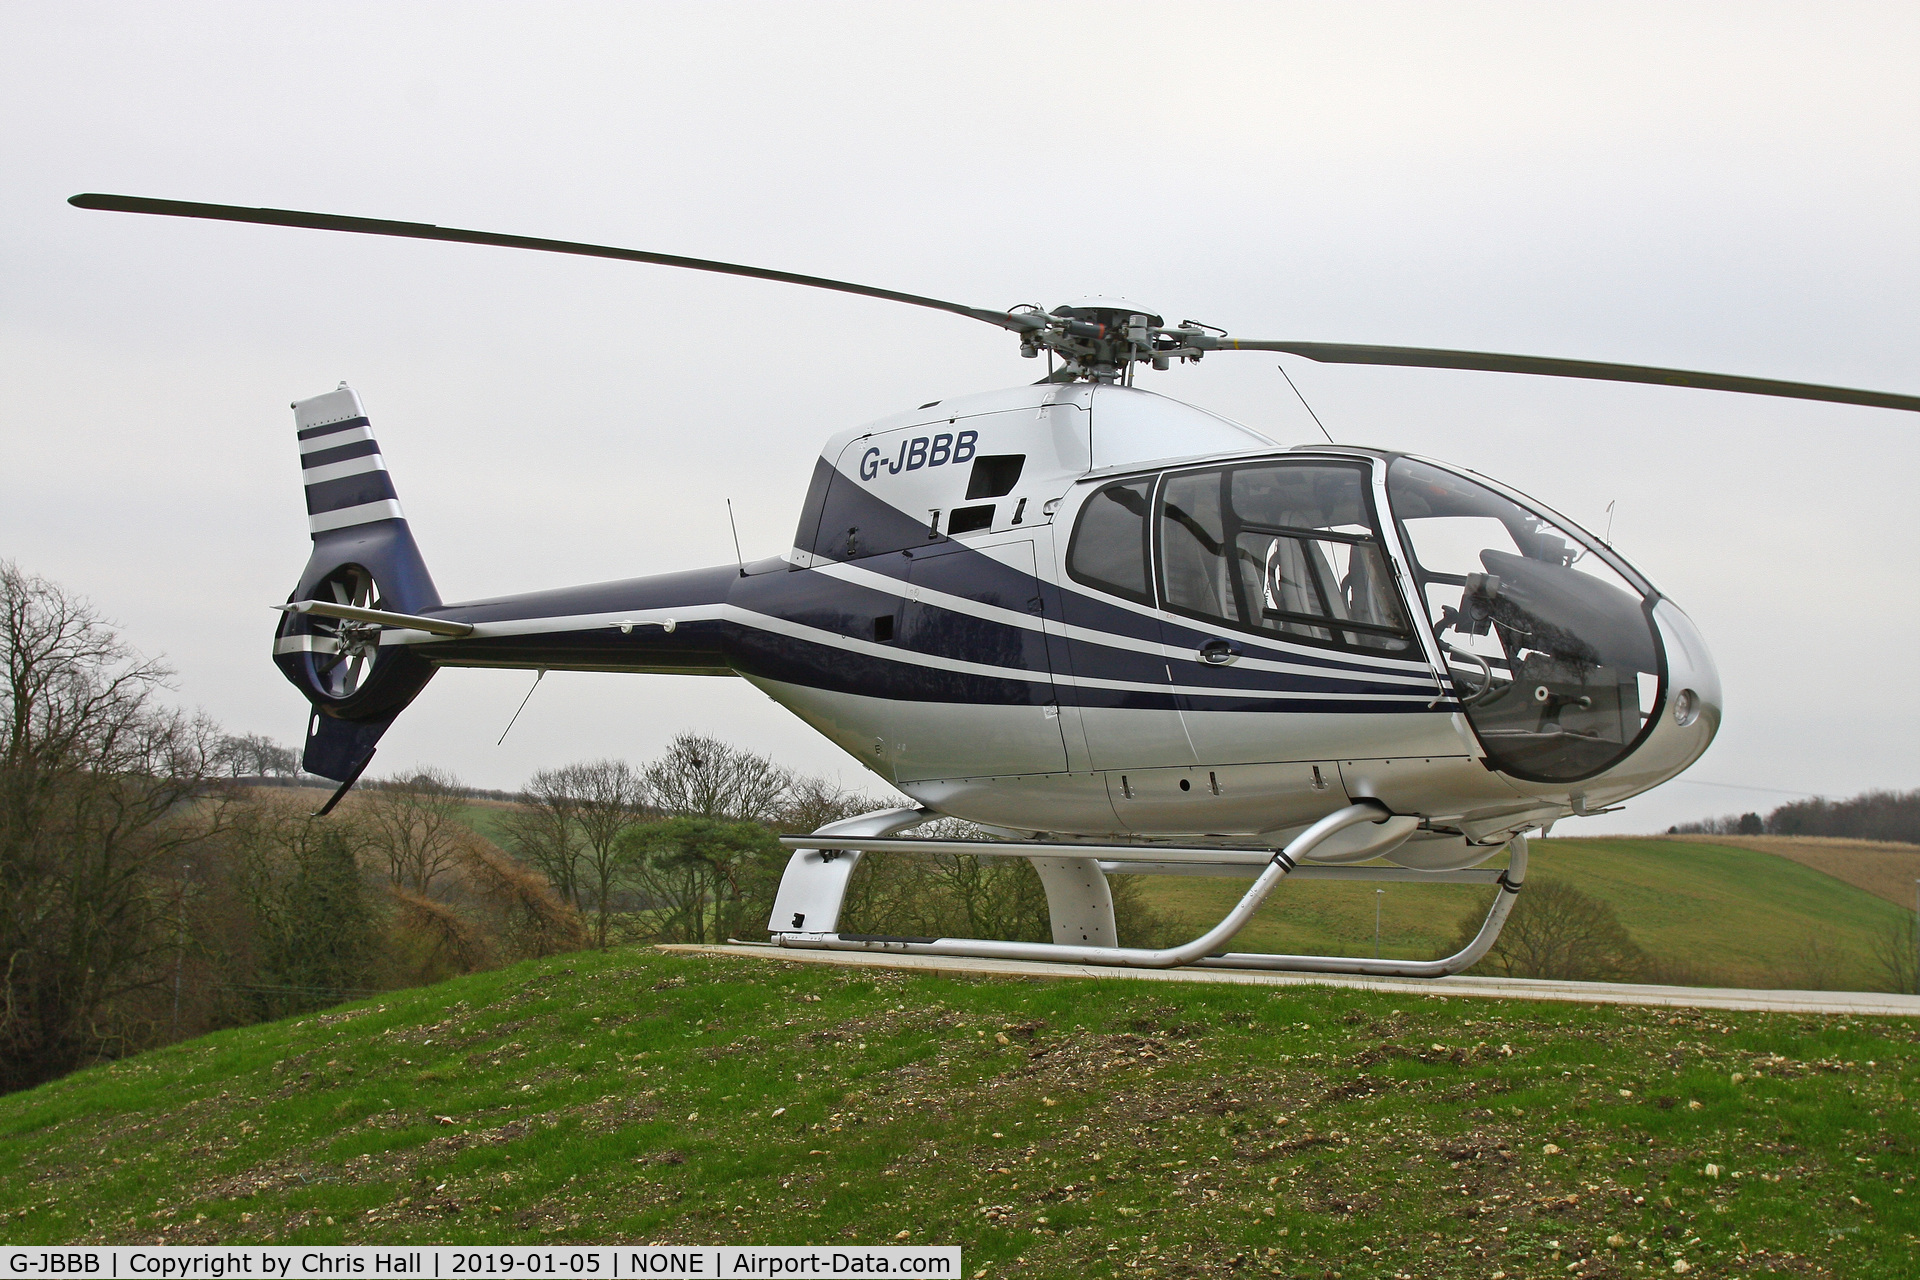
(1101, 339)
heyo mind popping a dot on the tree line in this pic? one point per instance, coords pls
(1871, 815)
(160, 878)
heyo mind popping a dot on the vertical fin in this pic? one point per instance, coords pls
(362, 547)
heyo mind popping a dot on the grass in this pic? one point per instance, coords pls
(1054, 1128)
(489, 818)
(1881, 867)
(1738, 917)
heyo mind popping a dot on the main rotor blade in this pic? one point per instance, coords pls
(427, 231)
(1431, 358)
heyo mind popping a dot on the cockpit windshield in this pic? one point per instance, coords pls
(1550, 648)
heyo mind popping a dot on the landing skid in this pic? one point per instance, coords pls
(1075, 878)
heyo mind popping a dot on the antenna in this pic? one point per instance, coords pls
(1303, 404)
(737, 557)
(523, 706)
(1608, 539)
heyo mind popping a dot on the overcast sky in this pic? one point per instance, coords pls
(1723, 187)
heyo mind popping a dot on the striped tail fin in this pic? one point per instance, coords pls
(353, 511)
(346, 478)
(363, 554)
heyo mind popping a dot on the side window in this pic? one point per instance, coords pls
(1109, 547)
(1193, 545)
(1286, 549)
(993, 476)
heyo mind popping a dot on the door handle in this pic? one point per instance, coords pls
(1218, 653)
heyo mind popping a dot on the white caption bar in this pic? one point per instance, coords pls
(444, 1262)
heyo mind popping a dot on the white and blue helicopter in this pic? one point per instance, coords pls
(1118, 632)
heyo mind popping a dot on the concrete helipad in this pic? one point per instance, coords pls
(1866, 1003)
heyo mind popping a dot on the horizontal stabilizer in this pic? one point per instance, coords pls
(378, 617)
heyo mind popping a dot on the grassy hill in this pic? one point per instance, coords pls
(1731, 916)
(1054, 1128)
(1881, 867)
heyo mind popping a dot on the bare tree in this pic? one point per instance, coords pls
(610, 800)
(895, 894)
(707, 778)
(949, 895)
(98, 792)
(1871, 815)
(1812, 964)
(569, 825)
(255, 755)
(1556, 931)
(544, 831)
(415, 826)
(812, 802)
(1894, 950)
(450, 943)
(529, 918)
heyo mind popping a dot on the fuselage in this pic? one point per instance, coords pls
(1086, 610)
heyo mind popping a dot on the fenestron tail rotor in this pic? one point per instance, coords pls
(1101, 340)
(339, 672)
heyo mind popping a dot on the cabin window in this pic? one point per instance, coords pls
(993, 476)
(1284, 549)
(970, 519)
(1109, 547)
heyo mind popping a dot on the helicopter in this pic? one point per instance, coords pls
(1116, 632)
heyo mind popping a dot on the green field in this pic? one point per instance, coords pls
(489, 819)
(1707, 914)
(1720, 916)
(1054, 1128)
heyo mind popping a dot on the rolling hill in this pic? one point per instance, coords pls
(1714, 913)
(1054, 1128)
(1883, 868)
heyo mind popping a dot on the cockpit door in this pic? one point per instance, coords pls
(1115, 648)
(973, 619)
(1284, 626)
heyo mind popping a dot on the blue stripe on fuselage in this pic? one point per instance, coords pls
(850, 608)
(987, 579)
(934, 633)
(681, 590)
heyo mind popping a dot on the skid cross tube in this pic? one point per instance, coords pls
(1208, 946)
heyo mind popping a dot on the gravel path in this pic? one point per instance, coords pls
(1871, 1003)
